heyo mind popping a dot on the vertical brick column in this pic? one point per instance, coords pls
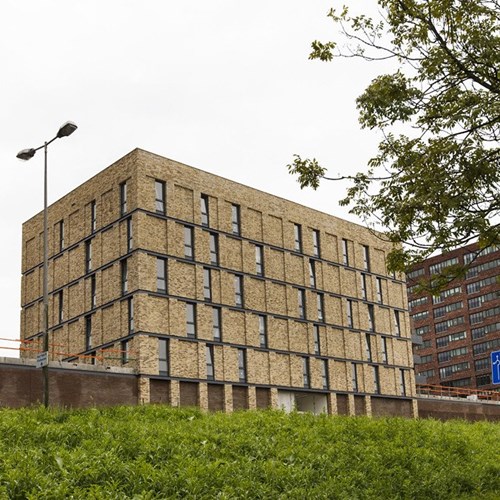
(228, 398)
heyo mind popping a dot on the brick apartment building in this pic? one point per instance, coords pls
(219, 295)
(460, 326)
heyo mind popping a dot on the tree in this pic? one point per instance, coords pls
(434, 187)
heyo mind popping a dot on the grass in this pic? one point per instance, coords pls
(156, 452)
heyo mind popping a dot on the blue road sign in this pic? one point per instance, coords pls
(495, 367)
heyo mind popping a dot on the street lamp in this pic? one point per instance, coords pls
(67, 129)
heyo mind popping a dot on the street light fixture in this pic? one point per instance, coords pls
(66, 129)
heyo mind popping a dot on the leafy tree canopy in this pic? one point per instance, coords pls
(435, 186)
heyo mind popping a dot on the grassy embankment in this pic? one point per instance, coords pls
(158, 452)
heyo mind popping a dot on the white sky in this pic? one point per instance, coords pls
(223, 85)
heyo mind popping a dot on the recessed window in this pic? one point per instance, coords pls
(366, 258)
(88, 256)
(380, 296)
(125, 351)
(88, 332)
(354, 377)
(402, 382)
(324, 374)
(209, 355)
(316, 340)
(93, 216)
(320, 302)
(301, 297)
(345, 252)
(60, 230)
(297, 233)
(214, 249)
(160, 197)
(376, 380)
(349, 312)
(217, 323)
(204, 208)
(191, 319)
(316, 244)
(363, 286)
(130, 235)
(207, 284)
(384, 350)
(312, 273)
(238, 290)
(262, 330)
(124, 276)
(93, 292)
(371, 318)
(123, 198)
(368, 347)
(306, 376)
(242, 365)
(189, 242)
(235, 219)
(60, 307)
(161, 275)
(130, 308)
(259, 260)
(163, 356)
(397, 323)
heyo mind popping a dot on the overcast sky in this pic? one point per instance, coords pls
(222, 85)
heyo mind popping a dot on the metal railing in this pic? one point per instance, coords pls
(442, 391)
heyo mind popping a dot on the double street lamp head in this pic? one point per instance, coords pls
(66, 129)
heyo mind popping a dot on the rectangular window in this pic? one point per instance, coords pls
(312, 273)
(437, 268)
(191, 319)
(238, 290)
(163, 356)
(130, 235)
(426, 359)
(205, 218)
(368, 347)
(306, 377)
(262, 330)
(366, 258)
(345, 253)
(217, 323)
(316, 340)
(161, 275)
(125, 354)
(371, 318)
(397, 323)
(130, 307)
(380, 297)
(402, 382)
(88, 332)
(324, 374)
(235, 219)
(209, 353)
(160, 197)
(297, 233)
(259, 260)
(214, 249)
(384, 350)
(301, 297)
(320, 301)
(60, 230)
(363, 286)
(88, 256)
(93, 292)
(93, 216)
(207, 284)
(350, 317)
(445, 325)
(60, 307)
(189, 242)
(242, 365)
(124, 276)
(316, 243)
(376, 380)
(123, 198)
(354, 377)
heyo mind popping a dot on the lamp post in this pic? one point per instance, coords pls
(67, 129)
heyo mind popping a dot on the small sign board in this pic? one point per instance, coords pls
(42, 359)
(495, 367)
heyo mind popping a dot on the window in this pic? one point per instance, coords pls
(160, 197)
(426, 359)
(123, 198)
(453, 353)
(204, 210)
(366, 258)
(209, 353)
(450, 370)
(124, 276)
(238, 290)
(312, 273)
(207, 284)
(191, 319)
(420, 316)
(125, 354)
(130, 307)
(242, 365)
(262, 330)
(88, 256)
(350, 317)
(93, 216)
(354, 377)
(345, 253)
(376, 380)
(161, 275)
(235, 219)
(316, 340)
(437, 268)
(397, 323)
(445, 325)
(427, 373)
(422, 330)
(320, 301)
(443, 310)
(476, 286)
(478, 333)
(297, 234)
(259, 260)
(60, 230)
(417, 302)
(371, 318)
(130, 235)
(368, 347)
(60, 307)
(481, 299)
(93, 294)
(483, 380)
(324, 374)
(402, 382)
(163, 356)
(217, 323)
(306, 377)
(88, 332)
(481, 316)
(316, 244)
(385, 359)
(444, 341)
(482, 364)
(301, 297)
(214, 249)
(363, 286)
(437, 299)
(474, 271)
(380, 297)
(93, 357)
(189, 242)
